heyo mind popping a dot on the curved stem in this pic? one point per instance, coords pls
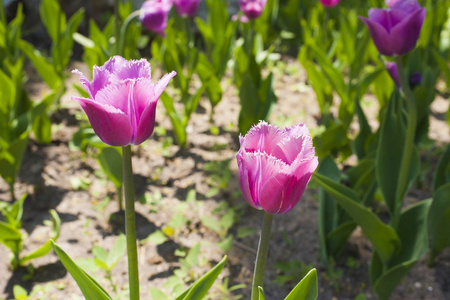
(409, 141)
(261, 256)
(130, 223)
(123, 31)
(116, 24)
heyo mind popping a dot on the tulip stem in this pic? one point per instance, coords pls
(261, 256)
(409, 141)
(123, 31)
(130, 224)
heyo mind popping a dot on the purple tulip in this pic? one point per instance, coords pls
(252, 8)
(414, 79)
(275, 166)
(391, 67)
(122, 100)
(329, 3)
(395, 31)
(154, 15)
(186, 8)
(391, 3)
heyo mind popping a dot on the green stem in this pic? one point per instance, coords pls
(409, 141)
(2, 13)
(130, 224)
(261, 256)
(120, 197)
(116, 24)
(123, 31)
(11, 190)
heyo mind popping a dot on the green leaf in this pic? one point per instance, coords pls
(156, 238)
(47, 247)
(19, 293)
(442, 174)
(383, 237)
(439, 221)
(53, 18)
(40, 252)
(157, 294)
(9, 233)
(202, 285)
(413, 235)
(306, 289)
(88, 286)
(45, 69)
(110, 160)
(42, 128)
(11, 158)
(389, 156)
(261, 293)
(177, 122)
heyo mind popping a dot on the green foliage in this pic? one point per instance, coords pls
(389, 157)
(88, 286)
(291, 271)
(439, 222)
(13, 237)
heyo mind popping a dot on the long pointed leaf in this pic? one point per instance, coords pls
(306, 289)
(88, 286)
(383, 237)
(202, 285)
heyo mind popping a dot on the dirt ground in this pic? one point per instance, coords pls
(47, 172)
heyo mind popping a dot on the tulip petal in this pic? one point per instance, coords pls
(262, 137)
(115, 95)
(261, 167)
(110, 124)
(162, 83)
(282, 192)
(134, 69)
(297, 146)
(244, 181)
(145, 106)
(84, 82)
(407, 32)
(380, 37)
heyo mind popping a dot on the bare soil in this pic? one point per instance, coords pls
(46, 176)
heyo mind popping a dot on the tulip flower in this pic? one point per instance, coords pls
(186, 8)
(275, 166)
(252, 8)
(391, 3)
(395, 31)
(329, 3)
(154, 15)
(122, 100)
(414, 79)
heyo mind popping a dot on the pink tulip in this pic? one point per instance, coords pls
(186, 8)
(154, 15)
(252, 8)
(122, 100)
(329, 3)
(275, 166)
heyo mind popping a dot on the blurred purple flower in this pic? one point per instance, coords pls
(392, 70)
(414, 79)
(186, 8)
(275, 166)
(122, 100)
(395, 31)
(252, 8)
(329, 3)
(154, 15)
(391, 3)
(242, 18)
